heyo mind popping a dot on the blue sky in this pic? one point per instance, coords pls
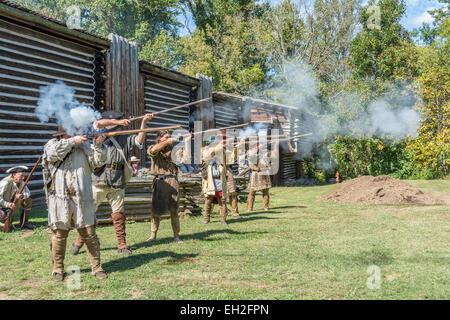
(416, 13)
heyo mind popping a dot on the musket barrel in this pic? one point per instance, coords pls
(116, 133)
(223, 128)
(174, 108)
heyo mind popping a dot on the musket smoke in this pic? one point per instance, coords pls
(390, 115)
(58, 101)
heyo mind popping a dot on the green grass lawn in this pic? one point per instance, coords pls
(301, 249)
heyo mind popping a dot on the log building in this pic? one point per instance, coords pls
(106, 74)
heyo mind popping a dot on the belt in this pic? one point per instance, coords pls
(116, 166)
(164, 176)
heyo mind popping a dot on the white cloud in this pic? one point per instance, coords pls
(424, 17)
(412, 3)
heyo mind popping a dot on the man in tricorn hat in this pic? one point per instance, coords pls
(9, 191)
(110, 180)
(68, 163)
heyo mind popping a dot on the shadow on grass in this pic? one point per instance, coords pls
(134, 261)
(245, 217)
(288, 207)
(203, 236)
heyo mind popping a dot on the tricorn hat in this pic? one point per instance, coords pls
(61, 131)
(17, 169)
(112, 114)
(134, 159)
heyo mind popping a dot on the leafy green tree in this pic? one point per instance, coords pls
(431, 150)
(165, 50)
(317, 35)
(212, 13)
(143, 21)
(384, 51)
(232, 59)
(428, 33)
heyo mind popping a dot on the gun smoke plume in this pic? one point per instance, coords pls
(58, 101)
(347, 114)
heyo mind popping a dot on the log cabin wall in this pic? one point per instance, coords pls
(164, 89)
(36, 51)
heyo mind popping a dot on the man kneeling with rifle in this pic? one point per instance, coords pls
(11, 201)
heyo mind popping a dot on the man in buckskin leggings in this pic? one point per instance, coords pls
(109, 182)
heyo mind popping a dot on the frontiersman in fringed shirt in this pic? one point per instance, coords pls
(68, 163)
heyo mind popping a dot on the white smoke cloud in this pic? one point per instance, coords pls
(257, 129)
(390, 115)
(58, 101)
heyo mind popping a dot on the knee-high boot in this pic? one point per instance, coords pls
(266, 199)
(119, 227)
(58, 246)
(223, 210)
(175, 221)
(208, 208)
(251, 200)
(89, 236)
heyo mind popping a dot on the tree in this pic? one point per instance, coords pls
(429, 33)
(385, 51)
(142, 21)
(212, 13)
(165, 50)
(431, 150)
(318, 36)
(231, 59)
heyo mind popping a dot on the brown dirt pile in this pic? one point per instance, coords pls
(379, 190)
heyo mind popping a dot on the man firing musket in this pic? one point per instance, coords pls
(165, 182)
(109, 181)
(68, 163)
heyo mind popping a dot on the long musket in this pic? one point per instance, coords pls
(223, 128)
(295, 137)
(174, 108)
(116, 133)
(275, 140)
(8, 219)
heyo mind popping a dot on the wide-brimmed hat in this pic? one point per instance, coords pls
(134, 159)
(17, 169)
(61, 131)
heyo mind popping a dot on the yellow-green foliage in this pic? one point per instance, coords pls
(431, 150)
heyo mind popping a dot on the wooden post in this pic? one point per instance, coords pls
(205, 111)
(125, 89)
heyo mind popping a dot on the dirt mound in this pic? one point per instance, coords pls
(378, 190)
